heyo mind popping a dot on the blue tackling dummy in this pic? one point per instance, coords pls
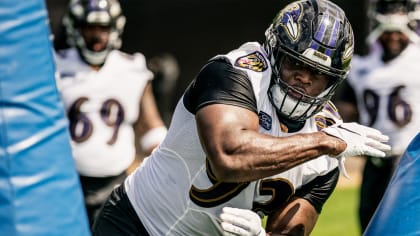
(39, 187)
(399, 211)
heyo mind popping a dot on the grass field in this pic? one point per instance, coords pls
(339, 215)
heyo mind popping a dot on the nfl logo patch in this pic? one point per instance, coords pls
(265, 120)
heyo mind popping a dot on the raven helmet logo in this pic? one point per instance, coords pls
(290, 20)
(254, 61)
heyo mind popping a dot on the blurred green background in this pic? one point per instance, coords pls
(339, 215)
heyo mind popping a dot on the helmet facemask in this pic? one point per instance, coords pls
(393, 15)
(316, 34)
(105, 13)
(292, 103)
(414, 16)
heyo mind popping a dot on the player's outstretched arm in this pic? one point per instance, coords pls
(238, 152)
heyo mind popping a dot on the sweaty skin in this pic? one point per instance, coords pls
(230, 136)
(232, 142)
(298, 217)
(302, 77)
(237, 152)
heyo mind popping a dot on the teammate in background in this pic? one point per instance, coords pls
(382, 90)
(253, 133)
(106, 93)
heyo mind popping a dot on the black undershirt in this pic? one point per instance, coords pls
(219, 82)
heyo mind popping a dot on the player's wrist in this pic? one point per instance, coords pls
(338, 147)
(331, 145)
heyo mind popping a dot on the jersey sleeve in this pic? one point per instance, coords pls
(319, 190)
(219, 82)
(141, 65)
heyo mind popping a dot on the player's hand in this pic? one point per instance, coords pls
(361, 140)
(241, 222)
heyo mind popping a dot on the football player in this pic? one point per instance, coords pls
(253, 134)
(381, 92)
(106, 93)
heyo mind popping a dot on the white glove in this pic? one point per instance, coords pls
(241, 222)
(361, 140)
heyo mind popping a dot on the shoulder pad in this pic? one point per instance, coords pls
(327, 116)
(125, 61)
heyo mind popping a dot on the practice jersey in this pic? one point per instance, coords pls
(102, 107)
(175, 193)
(388, 97)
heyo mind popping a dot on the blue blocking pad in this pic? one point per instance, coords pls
(40, 193)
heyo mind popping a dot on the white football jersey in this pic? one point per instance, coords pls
(174, 193)
(102, 107)
(388, 95)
